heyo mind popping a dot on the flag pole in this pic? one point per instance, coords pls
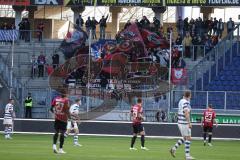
(169, 74)
(11, 69)
(89, 69)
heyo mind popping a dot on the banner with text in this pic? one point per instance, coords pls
(222, 119)
(113, 2)
(202, 2)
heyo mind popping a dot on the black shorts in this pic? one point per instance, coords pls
(60, 126)
(138, 128)
(207, 129)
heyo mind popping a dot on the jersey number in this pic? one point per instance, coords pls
(208, 117)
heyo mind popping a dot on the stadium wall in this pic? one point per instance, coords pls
(123, 128)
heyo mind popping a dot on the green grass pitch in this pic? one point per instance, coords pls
(39, 147)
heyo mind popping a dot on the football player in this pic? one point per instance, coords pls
(74, 121)
(8, 119)
(184, 125)
(60, 108)
(137, 118)
(208, 120)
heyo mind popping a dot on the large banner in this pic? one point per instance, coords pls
(205, 3)
(15, 2)
(8, 35)
(114, 2)
(131, 2)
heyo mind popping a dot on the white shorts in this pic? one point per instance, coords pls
(184, 130)
(72, 125)
(8, 121)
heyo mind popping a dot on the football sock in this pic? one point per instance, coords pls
(9, 130)
(142, 140)
(179, 143)
(61, 140)
(6, 131)
(133, 141)
(209, 137)
(204, 136)
(75, 139)
(55, 137)
(187, 148)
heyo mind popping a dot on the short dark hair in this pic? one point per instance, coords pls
(210, 106)
(187, 93)
(139, 100)
(77, 100)
(10, 99)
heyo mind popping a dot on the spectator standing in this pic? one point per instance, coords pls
(178, 40)
(169, 30)
(103, 25)
(40, 31)
(230, 25)
(192, 26)
(27, 30)
(5, 26)
(88, 26)
(21, 30)
(220, 28)
(180, 25)
(55, 60)
(187, 42)
(185, 26)
(207, 44)
(34, 66)
(215, 24)
(175, 57)
(80, 21)
(196, 42)
(94, 23)
(28, 106)
(156, 24)
(198, 26)
(145, 23)
(41, 63)
(210, 26)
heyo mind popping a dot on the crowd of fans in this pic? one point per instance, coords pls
(91, 25)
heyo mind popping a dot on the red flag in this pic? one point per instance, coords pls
(114, 63)
(132, 33)
(179, 76)
(152, 40)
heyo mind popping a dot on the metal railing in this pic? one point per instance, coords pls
(17, 87)
(28, 36)
(225, 101)
(195, 50)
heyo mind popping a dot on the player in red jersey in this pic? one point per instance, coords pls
(137, 118)
(60, 108)
(208, 120)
